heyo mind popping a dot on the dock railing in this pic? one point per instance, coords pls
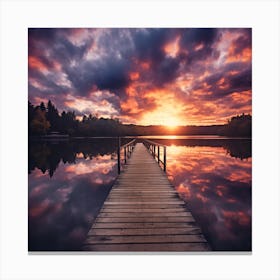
(126, 149)
(155, 149)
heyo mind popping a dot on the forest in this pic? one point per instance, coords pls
(44, 119)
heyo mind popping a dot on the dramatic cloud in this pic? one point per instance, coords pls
(217, 188)
(144, 76)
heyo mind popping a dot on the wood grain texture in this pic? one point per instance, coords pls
(143, 212)
(145, 231)
(150, 247)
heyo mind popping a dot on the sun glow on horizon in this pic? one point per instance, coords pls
(164, 118)
(171, 127)
(168, 111)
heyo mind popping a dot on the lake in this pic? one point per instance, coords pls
(69, 181)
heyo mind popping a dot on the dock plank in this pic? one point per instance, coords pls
(150, 247)
(145, 225)
(143, 212)
(132, 239)
(145, 231)
(137, 219)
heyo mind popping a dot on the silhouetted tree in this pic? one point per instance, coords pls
(92, 125)
(43, 107)
(240, 125)
(39, 124)
(53, 116)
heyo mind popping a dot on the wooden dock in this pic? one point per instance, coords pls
(144, 213)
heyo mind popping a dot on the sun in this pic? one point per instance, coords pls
(171, 123)
(171, 127)
(168, 112)
(161, 118)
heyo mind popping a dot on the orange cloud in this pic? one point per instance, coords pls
(145, 65)
(241, 217)
(168, 109)
(39, 209)
(134, 76)
(243, 56)
(199, 47)
(241, 97)
(36, 63)
(172, 48)
(131, 106)
(130, 91)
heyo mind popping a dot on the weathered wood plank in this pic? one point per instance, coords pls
(146, 187)
(145, 231)
(138, 219)
(162, 200)
(159, 195)
(135, 182)
(145, 225)
(124, 239)
(167, 247)
(143, 203)
(145, 214)
(145, 206)
(143, 210)
(144, 191)
(147, 182)
(149, 190)
(142, 195)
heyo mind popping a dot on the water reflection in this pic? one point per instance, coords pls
(239, 148)
(46, 156)
(69, 181)
(215, 181)
(68, 184)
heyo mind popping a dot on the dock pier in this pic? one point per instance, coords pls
(143, 211)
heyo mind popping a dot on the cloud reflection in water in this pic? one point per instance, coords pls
(217, 188)
(63, 207)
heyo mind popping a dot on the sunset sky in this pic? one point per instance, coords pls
(186, 76)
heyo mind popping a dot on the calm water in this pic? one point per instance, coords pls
(69, 181)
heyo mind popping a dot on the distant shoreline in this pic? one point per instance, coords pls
(161, 137)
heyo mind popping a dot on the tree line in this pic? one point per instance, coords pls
(44, 119)
(47, 156)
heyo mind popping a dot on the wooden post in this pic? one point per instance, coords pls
(125, 154)
(158, 153)
(119, 155)
(164, 159)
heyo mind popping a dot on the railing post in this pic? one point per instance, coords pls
(125, 154)
(119, 155)
(158, 153)
(164, 158)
